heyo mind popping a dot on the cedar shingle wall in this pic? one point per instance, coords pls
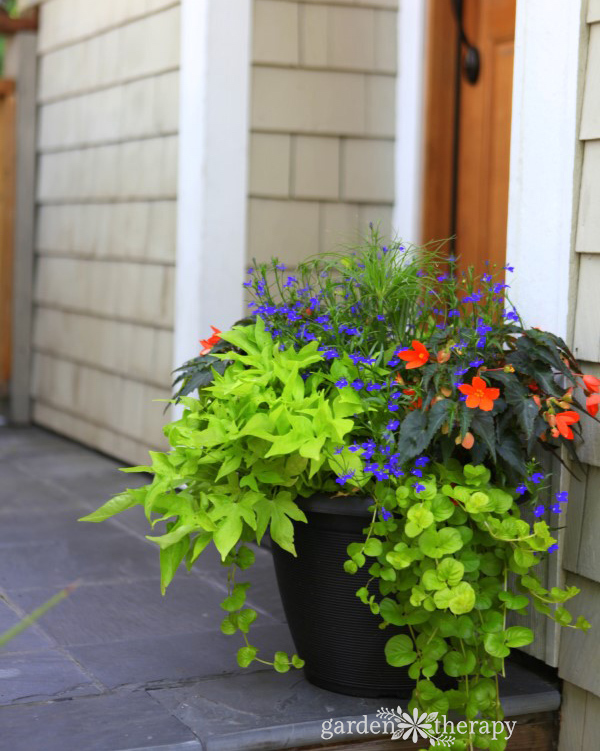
(322, 124)
(105, 240)
(579, 661)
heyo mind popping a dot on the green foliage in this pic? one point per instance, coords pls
(313, 395)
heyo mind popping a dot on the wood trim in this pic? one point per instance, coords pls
(9, 25)
(440, 106)
(7, 205)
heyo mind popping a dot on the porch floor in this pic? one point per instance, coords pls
(116, 666)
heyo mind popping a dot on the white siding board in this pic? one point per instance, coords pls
(587, 311)
(130, 170)
(588, 220)
(127, 291)
(593, 14)
(140, 109)
(142, 231)
(579, 654)
(127, 407)
(66, 21)
(148, 47)
(141, 353)
(590, 115)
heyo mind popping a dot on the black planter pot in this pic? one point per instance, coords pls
(334, 632)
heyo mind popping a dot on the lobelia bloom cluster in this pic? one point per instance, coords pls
(454, 352)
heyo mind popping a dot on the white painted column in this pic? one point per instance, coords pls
(544, 159)
(410, 119)
(213, 168)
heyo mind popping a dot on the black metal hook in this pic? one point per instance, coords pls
(471, 60)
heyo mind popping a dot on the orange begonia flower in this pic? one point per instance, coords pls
(414, 357)
(416, 403)
(208, 344)
(591, 404)
(564, 420)
(479, 394)
(592, 384)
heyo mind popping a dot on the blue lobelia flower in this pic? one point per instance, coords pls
(342, 479)
(392, 425)
(520, 489)
(341, 383)
(553, 548)
(357, 384)
(419, 487)
(539, 510)
(385, 515)
(422, 461)
(537, 477)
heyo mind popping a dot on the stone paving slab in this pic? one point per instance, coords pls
(70, 554)
(106, 613)
(264, 710)
(40, 676)
(31, 639)
(104, 723)
(158, 660)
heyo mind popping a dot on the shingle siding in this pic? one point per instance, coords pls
(106, 220)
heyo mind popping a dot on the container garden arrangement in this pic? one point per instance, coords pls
(378, 415)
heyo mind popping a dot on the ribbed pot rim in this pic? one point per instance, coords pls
(321, 503)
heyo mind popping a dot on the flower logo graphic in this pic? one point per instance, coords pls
(415, 727)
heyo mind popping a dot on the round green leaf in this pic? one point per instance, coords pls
(437, 544)
(518, 636)
(450, 571)
(494, 645)
(246, 655)
(373, 547)
(457, 663)
(399, 651)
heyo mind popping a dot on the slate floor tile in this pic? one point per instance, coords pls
(104, 486)
(169, 659)
(74, 462)
(32, 442)
(103, 613)
(38, 676)
(75, 552)
(21, 492)
(248, 701)
(103, 723)
(30, 639)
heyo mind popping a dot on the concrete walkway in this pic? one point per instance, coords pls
(116, 666)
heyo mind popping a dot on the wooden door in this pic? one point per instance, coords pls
(7, 198)
(468, 151)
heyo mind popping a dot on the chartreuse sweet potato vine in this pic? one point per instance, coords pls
(379, 374)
